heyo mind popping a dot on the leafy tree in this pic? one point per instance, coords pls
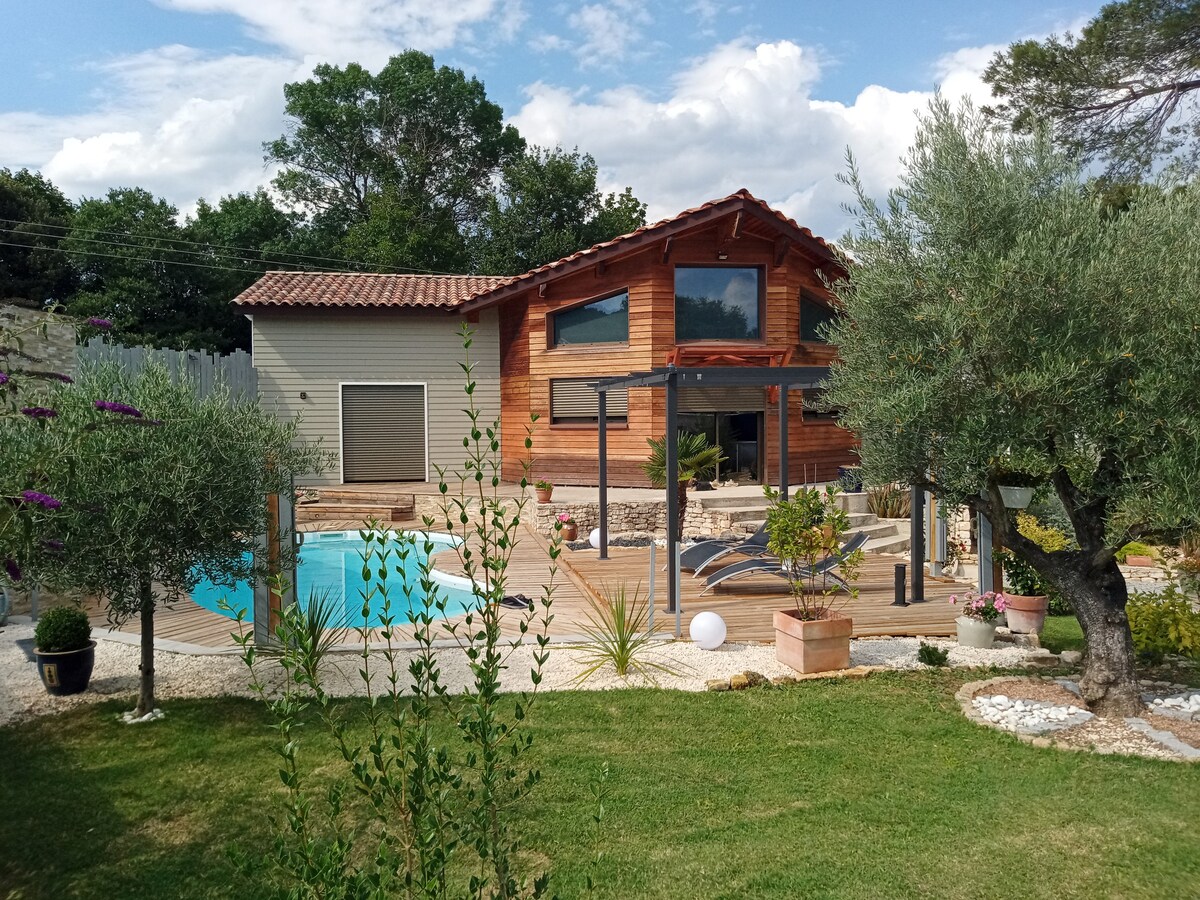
(135, 273)
(416, 143)
(698, 459)
(147, 511)
(1003, 329)
(1123, 90)
(242, 236)
(34, 215)
(547, 207)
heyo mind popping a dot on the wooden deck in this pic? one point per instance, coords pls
(747, 606)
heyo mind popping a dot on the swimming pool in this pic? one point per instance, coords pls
(330, 565)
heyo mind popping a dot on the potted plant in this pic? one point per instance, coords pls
(956, 551)
(65, 650)
(1028, 599)
(570, 531)
(977, 624)
(803, 533)
(543, 489)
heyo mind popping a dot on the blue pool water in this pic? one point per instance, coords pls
(330, 565)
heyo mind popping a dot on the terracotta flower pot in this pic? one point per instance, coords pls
(1143, 562)
(975, 632)
(1026, 615)
(570, 532)
(543, 494)
(819, 645)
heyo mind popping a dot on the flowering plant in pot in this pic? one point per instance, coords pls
(65, 650)
(977, 624)
(806, 534)
(543, 489)
(570, 531)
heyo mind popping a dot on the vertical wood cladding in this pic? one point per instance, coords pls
(567, 454)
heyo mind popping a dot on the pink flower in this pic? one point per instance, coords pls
(1001, 604)
(564, 517)
(954, 598)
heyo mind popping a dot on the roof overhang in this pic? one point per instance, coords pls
(788, 377)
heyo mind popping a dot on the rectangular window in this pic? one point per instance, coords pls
(815, 316)
(573, 402)
(717, 303)
(817, 408)
(603, 321)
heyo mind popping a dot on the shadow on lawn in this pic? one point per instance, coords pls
(96, 808)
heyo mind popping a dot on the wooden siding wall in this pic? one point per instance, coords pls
(567, 454)
(313, 351)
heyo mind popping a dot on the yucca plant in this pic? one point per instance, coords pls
(697, 459)
(620, 635)
(889, 501)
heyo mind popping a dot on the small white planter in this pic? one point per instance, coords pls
(974, 633)
(1016, 497)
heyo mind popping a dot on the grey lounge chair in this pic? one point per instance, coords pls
(698, 556)
(770, 565)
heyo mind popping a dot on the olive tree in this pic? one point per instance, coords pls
(1002, 327)
(147, 511)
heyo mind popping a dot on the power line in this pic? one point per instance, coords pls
(333, 259)
(165, 262)
(145, 247)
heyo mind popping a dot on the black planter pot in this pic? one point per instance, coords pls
(851, 479)
(69, 672)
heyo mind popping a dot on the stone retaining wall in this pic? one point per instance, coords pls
(625, 518)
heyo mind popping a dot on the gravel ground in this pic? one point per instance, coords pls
(183, 675)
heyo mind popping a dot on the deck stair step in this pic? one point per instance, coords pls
(340, 504)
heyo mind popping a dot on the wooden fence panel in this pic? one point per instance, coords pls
(205, 370)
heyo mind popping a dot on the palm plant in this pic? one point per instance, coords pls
(620, 634)
(697, 459)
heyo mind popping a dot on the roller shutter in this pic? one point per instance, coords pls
(721, 399)
(383, 432)
(574, 400)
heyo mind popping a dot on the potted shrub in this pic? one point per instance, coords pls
(65, 650)
(570, 531)
(803, 532)
(1028, 597)
(543, 489)
(977, 624)
(849, 479)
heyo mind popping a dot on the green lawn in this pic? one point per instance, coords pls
(846, 789)
(1062, 633)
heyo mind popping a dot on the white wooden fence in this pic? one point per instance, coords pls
(205, 369)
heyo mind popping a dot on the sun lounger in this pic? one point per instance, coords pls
(770, 565)
(699, 556)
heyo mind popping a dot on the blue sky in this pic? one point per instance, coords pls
(681, 101)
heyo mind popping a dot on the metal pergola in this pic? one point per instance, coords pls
(785, 378)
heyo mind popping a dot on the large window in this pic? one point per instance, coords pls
(573, 402)
(603, 321)
(717, 303)
(815, 316)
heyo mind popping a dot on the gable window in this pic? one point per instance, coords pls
(604, 321)
(817, 408)
(815, 317)
(717, 303)
(573, 402)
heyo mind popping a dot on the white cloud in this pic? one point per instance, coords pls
(743, 116)
(611, 32)
(366, 31)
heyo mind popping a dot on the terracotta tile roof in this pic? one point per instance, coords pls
(364, 289)
(356, 289)
(740, 198)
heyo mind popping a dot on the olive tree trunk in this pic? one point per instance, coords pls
(145, 702)
(1109, 684)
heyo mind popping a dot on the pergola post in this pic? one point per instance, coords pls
(783, 441)
(986, 580)
(941, 537)
(603, 414)
(672, 479)
(916, 542)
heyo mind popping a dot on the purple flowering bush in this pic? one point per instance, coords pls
(984, 607)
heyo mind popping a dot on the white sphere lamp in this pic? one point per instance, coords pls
(707, 630)
(594, 538)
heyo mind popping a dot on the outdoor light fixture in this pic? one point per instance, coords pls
(304, 395)
(707, 630)
(594, 538)
(721, 254)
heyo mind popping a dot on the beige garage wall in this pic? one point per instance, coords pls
(314, 351)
